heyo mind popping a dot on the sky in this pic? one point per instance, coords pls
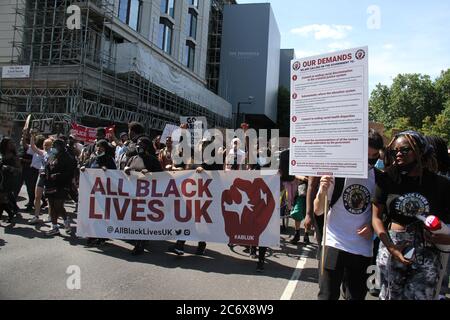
(402, 36)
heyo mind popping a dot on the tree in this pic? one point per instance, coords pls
(443, 86)
(400, 124)
(284, 112)
(413, 96)
(379, 104)
(440, 126)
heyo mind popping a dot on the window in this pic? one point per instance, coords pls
(129, 11)
(193, 3)
(168, 7)
(134, 14)
(165, 37)
(189, 57)
(192, 25)
(123, 10)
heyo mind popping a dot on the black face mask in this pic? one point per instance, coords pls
(373, 162)
(407, 168)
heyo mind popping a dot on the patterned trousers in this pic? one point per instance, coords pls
(418, 281)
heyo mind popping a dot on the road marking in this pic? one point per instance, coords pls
(292, 284)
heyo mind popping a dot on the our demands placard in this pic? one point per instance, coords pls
(329, 114)
(233, 207)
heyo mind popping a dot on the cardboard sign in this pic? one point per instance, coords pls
(170, 130)
(44, 126)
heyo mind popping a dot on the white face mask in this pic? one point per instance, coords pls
(100, 154)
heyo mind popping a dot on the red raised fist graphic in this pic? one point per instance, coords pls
(247, 208)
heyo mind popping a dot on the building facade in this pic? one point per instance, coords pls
(128, 60)
(250, 63)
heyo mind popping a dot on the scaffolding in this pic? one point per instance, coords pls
(73, 74)
(215, 43)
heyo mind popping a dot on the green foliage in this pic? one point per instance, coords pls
(379, 110)
(400, 124)
(413, 101)
(440, 126)
(443, 86)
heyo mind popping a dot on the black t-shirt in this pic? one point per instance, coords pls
(408, 198)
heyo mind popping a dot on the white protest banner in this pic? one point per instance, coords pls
(171, 130)
(329, 115)
(14, 72)
(197, 126)
(238, 207)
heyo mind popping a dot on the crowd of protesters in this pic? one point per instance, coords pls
(369, 221)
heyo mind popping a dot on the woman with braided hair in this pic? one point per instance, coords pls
(408, 260)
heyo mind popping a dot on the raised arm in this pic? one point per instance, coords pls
(33, 146)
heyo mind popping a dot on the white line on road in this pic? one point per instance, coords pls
(292, 284)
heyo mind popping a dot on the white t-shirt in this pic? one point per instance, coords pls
(38, 161)
(119, 151)
(232, 155)
(352, 211)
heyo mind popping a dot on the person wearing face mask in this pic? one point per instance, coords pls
(408, 260)
(121, 146)
(101, 159)
(165, 154)
(58, 178)
(188, 163)
(90, 148)
(144, 162)
(135, 131)
(40, 158)
(157, 144)
(349, 236)
(235, 159)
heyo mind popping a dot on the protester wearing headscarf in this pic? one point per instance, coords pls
(408, 260)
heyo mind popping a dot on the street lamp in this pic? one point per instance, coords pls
(250, 101)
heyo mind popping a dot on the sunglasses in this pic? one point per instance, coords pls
(404, 151)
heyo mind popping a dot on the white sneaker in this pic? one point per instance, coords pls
(34, 220)
(53, 232)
